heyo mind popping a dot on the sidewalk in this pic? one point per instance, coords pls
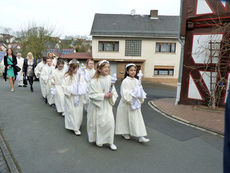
(201, 117)
(7, 164)
(3, 165)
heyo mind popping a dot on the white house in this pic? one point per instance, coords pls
(150, 41)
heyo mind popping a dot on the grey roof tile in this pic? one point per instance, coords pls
(134, 25)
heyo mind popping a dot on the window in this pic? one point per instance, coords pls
(163, 71)
(166, 47)
(133, 47)
(108, 46)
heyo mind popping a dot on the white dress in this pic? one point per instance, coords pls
(73, 113)
(57, 78)
(100, 119)
(129, 121)
(46, 75)
(37, 71)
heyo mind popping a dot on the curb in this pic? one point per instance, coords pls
(7, 156)
(183, 121)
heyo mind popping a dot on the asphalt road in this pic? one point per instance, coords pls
(39, 142)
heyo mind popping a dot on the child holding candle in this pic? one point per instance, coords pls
(129, 120)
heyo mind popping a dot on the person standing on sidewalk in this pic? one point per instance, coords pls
(227, 136)
(20, 61)
(28, 69)
(129, 120)
(10, 62)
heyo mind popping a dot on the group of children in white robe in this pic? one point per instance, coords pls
(74, 88)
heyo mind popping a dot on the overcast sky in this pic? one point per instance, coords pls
(74, 17)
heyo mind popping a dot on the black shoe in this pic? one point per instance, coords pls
(45, 100)
(19, 85)
(31, 89)
(24, 85)
(53, 106)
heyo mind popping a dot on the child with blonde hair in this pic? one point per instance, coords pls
(102, 95)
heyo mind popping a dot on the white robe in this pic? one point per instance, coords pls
(129, 121)
(89, 75)
(2, 67)
(46, 75)
(55, 62)
(20, 75)
(57, 78)
(73, 114)
(66, 67)
(37, 71)
(90, 72)
(100, 119)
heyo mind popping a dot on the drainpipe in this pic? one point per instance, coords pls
(181, 57)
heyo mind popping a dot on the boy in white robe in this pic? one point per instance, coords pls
(20, 62)
(37, 71)
(129, 120)
(74, 95)
(46, 77)
(100, 120)
(56, 81)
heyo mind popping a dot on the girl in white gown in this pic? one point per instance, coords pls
(74, 94)
(100, 120)
(129, 120)
(56, 81)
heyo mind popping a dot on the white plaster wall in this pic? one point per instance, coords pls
(148, 53)
(160, 59)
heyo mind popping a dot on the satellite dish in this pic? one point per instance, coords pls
(133, 12)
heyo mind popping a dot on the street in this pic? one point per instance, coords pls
(39, 142)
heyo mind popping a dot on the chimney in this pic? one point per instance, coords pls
(153, 14)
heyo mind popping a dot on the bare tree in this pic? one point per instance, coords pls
(35, 39)
(217, 53)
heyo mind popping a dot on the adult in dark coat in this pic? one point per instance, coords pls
(227, 136)
(28, 69)
(10, 61)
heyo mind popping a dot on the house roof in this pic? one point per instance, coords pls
(58, 51)
(135, 26)
(78, 55)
